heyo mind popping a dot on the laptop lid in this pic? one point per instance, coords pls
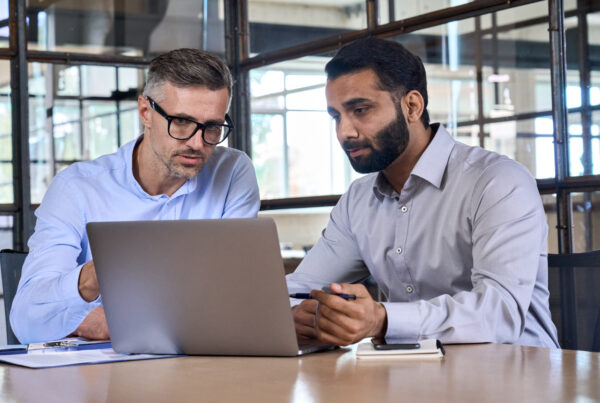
(206, 287)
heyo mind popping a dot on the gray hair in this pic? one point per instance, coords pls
(187, 68)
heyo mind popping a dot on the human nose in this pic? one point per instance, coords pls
(196, 141)
(346, 130)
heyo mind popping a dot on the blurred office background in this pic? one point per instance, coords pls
(71, 71)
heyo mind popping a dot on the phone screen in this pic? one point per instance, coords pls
(403, 346)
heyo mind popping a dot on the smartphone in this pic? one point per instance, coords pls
(403, 346)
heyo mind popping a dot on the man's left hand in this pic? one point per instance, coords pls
(343, 322)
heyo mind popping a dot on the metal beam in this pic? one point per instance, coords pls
(237, 48)
(22, 224)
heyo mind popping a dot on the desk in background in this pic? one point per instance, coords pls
(469, 373)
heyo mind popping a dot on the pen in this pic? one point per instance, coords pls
(305, 295)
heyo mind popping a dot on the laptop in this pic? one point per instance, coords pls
(197, 287)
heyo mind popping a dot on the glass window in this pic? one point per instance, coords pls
(276, 24)
(586, 221)
(394, 10)
(6, 178)
(76, 113)
(130, 28)
(6, 235)
(4, 30)
(549, 202)
(584, 145)
(294, 146)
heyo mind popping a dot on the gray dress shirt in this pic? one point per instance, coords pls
(460, 253)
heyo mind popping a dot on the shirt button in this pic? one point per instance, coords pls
(409, 289)
(404, 209)
(399, 250)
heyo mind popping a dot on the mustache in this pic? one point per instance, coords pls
(348, 145)
(189, 152)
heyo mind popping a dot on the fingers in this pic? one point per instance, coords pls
(344, 322)
(304, 318)
(94, 326)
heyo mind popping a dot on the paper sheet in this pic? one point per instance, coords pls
(48, 359)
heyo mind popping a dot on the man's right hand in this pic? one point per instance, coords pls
(94, 326)
(304, 319)
(88, 282)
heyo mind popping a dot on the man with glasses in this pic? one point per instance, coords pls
(454, 236)
(174, 170)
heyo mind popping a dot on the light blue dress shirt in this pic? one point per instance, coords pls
(48, 305)
(460, 253)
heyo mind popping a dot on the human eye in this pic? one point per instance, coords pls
(180, 121)
(361, 110)
(213, 128)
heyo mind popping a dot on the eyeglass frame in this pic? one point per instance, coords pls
(228, 123)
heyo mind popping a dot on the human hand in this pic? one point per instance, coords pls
(343, 322)
(88, 282)
(94, 326)
(304, 319)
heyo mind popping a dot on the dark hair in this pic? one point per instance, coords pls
(397, 69)
(186, 68)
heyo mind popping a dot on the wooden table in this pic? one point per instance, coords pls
(468, 373)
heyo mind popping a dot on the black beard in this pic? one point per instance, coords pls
(387, 145)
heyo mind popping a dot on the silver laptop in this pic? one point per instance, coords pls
(203, 287)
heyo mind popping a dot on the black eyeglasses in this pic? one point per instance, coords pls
(184, 129)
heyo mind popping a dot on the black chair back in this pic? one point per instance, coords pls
(11, 262)
(574, 283)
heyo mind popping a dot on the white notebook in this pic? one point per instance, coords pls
(430, 348)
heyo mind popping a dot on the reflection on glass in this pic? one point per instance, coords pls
(276, 24)
(586, 221)
(130, 28)
(6, 188)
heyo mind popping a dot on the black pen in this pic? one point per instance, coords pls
(305, 295)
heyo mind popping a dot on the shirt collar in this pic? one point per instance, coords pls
(188, 187)
(431, 166)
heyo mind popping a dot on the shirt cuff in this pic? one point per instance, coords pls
(78, 307)
(403, 321)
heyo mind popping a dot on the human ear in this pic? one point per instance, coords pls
(144, 110)
(414, 106)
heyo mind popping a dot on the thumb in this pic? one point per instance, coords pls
(345, 288)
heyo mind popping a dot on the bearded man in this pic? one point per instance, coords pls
(454, 236)
(173, 171)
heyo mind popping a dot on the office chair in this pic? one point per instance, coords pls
(574, 300)
(11, 262)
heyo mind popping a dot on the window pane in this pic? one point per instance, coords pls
(4, 31)
(6, 238)
(131, 28)
(6, 178)
(269, 155)
(395, 10)
(586, 221)
(294, 145)
(276, 24)
(550, 208)
(584, 145)
(78, 114)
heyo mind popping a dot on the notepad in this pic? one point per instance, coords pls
(430, 348)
